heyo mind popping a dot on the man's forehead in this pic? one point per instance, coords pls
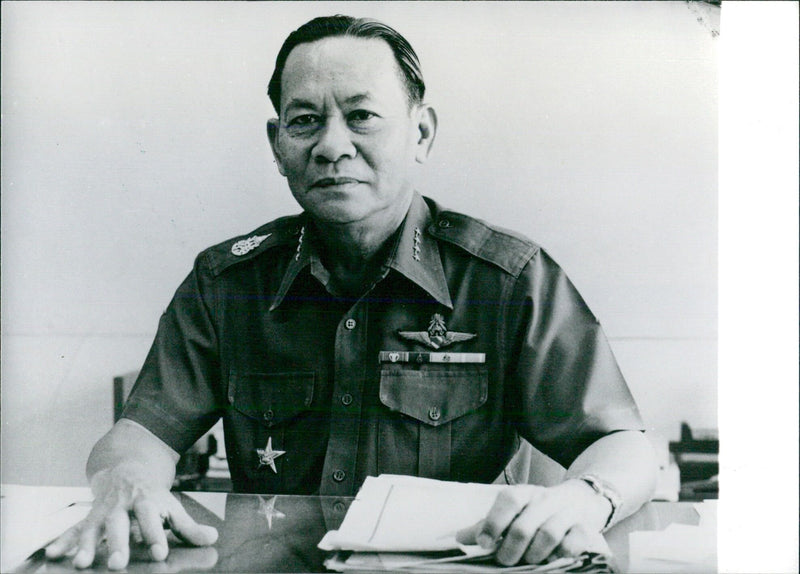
(364, 65)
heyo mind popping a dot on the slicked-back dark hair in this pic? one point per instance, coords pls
(339, 25)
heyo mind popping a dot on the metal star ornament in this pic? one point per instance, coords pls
(267, 509)
(267, 456)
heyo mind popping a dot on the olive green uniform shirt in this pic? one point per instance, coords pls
(335, 384)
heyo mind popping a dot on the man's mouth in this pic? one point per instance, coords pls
(334, 181)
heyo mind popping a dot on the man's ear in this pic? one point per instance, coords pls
(272, 135)
(427, 123)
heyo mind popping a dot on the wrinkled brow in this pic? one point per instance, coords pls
(300, 103)
(358, 98)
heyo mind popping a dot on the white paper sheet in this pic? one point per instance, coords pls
(34, 515)
(406, 514)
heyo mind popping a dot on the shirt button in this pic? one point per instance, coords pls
(269, 415)
(339, 507)
(338, 475)
(350, 324)
(347, 399)
(444, 223)
(434, 413)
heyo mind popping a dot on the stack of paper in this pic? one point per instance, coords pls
(409, 524)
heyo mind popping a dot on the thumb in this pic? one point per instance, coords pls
(469, 534)
(185, 528)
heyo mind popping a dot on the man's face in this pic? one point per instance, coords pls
(346, 139)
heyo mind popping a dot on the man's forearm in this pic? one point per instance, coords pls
(623, 461)
(129, 447)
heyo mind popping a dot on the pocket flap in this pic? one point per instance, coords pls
(434, 396)
(271, 397)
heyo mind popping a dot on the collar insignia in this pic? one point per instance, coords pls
(245, 246)
(300, 243)
(267, 456)
(437, 336)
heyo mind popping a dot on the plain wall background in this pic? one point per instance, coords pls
(133, 137)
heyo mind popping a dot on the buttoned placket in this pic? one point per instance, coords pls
(416, 259)
(350, 361)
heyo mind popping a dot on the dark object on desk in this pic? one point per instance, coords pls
(698, 461)
(192, 468)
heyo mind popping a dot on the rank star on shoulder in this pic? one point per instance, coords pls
(267, 456)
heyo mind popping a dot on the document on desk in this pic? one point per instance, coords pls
(409, 524)
(32, 516)
(393, 513)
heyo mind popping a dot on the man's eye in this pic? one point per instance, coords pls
(360, 116)
(305, 120)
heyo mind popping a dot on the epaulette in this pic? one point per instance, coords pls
(506, 249)
(281, 231)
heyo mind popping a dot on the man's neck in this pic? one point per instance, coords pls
(354, 253)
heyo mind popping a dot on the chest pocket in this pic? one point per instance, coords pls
(263, 413)
(271, 398)
(433, 396)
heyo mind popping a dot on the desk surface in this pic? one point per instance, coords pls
(257, 533)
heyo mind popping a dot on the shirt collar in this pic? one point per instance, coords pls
(415, 256)
(304, 254)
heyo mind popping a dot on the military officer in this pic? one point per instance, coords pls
(376, 332)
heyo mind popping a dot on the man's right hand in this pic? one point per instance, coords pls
(122, 506)
(131, 471)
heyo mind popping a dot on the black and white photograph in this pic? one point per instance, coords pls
(361, 286)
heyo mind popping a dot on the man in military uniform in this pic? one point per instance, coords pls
(377, 332)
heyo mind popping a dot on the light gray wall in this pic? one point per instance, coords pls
(133, 137)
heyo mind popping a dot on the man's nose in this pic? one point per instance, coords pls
(334, 142)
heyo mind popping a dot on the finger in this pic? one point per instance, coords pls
(508, 504)
(136, 531)
(87, 545)
(186, 528)
(521, 533)
(547, 538)
(64, 543)
(118, 528)
(469, 534)
(194, 559)
(574, 543)
(151, 524)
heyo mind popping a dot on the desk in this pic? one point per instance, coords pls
(257, 533)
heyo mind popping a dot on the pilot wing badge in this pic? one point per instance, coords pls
(437, 336)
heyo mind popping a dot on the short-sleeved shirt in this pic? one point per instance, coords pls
(470, 338)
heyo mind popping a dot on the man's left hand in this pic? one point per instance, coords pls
(536, 523)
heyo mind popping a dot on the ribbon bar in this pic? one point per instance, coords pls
(412, 357)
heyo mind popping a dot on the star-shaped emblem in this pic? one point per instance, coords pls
(267, 509)
(267, 456)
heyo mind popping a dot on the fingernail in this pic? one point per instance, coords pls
(116, 561)
(485, 541)
(82, 559)
(158, 552)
